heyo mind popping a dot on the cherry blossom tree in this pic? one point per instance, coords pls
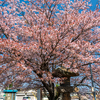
(38, 36)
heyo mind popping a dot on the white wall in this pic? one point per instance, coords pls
(21, 97)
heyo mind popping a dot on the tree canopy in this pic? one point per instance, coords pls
(39, 36)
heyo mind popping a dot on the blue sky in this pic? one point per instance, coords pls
(94, 2)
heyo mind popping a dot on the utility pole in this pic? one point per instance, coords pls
(93, 89)
(39, 94)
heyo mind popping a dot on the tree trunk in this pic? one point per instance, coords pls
(51, 97)
(66, 96)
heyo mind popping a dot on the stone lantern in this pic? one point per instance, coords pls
(65, 87)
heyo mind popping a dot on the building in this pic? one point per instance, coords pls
(31, 93)
(1, 94)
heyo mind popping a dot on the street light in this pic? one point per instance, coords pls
(93, 89)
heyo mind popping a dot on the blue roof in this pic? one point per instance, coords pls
(11, 91)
